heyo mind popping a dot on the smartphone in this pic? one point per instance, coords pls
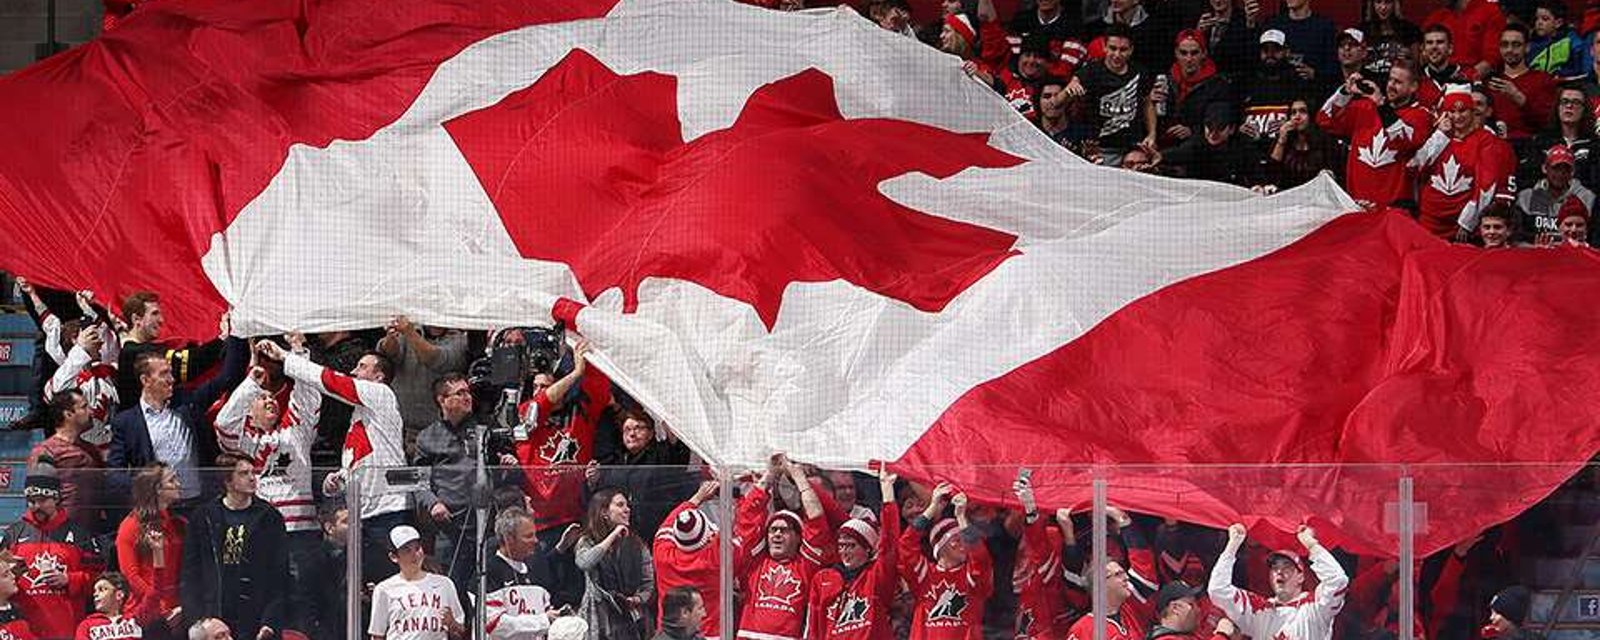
(1297, 59)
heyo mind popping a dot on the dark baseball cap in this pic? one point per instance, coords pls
(1174, 591)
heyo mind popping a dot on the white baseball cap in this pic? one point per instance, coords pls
(403, 535)
(1274, 36)
(1354, 34)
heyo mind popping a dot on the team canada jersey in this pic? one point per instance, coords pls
(1129, 623)
(1039, 578)
(1308, 617)
(514, 607)
(95, 376)
(698, 568)
(858, 608)
(775, 593)
(950, 601)
(406, 610)
(13, 626)
(1461, 178)
(282, 451)
(558, 444)
(1382, 142)
(45, 549)
(374, 438)
(100, 627)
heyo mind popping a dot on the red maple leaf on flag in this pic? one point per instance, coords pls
(779, 585)
(589, 168)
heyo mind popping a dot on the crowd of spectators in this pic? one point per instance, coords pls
(198, 490)
(1477, 119)
(595, 520)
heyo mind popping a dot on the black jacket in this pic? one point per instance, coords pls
(259, 594)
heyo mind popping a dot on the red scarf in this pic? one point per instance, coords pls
(1187, 83)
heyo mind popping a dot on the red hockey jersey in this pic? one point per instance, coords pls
(1461, 177)
(13, 626)
(46, 549)
(858, 608)
(1382, 143)
(775, 593)
(950, 601)
(558, 445)
(1038, 579)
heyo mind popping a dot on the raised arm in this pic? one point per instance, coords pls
(1233, 601)
(1331, 578)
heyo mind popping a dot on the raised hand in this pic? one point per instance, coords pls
(1236, 533)
(1307, 536)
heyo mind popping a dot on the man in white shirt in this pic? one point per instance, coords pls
(1290, 613)
(414, 604)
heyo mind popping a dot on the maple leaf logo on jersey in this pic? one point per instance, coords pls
(778, 585)
(1451, 183)
(1377, 153)
(589, 168)
(42, 564)
(559, 448)
(357, 446)
(1025, 624)
(949, 605)
(850, 609)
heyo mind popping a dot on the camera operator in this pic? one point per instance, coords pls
(554, 452)
(449, 446)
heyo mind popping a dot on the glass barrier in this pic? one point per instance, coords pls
(635, 551)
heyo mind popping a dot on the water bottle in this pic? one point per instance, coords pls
(1164, 86)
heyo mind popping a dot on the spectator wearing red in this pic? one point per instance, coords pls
(1039, 575)
(1465, 167)
(775, 568)
(560, 441)
(1130, 615)
(1574, 223)
(90, 367)
(1524, 98)
(1033, 68)
(59, 558)
(952, 586)
(108, 621)
(150, 551)
(1179, 613)
(1385, 130)
(1438, 71)
(1475, 26)
(979, 40)
(13, 625)
(686, 552)
(77, 463)
(1196, 84)
(1290, 613)
(1541, 207)
(851, 599)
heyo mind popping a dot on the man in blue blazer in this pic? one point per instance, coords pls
(170, 425)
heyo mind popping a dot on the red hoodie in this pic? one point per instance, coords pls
(45, 548)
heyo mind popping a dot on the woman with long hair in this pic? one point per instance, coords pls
(149, 550)
(619, 575)
(1389, 35)
(1302, 150)
(1572, 125)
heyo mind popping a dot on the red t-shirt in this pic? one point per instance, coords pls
(1475, 31)
(1539, 91)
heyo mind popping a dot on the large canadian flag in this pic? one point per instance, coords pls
(797, 232)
